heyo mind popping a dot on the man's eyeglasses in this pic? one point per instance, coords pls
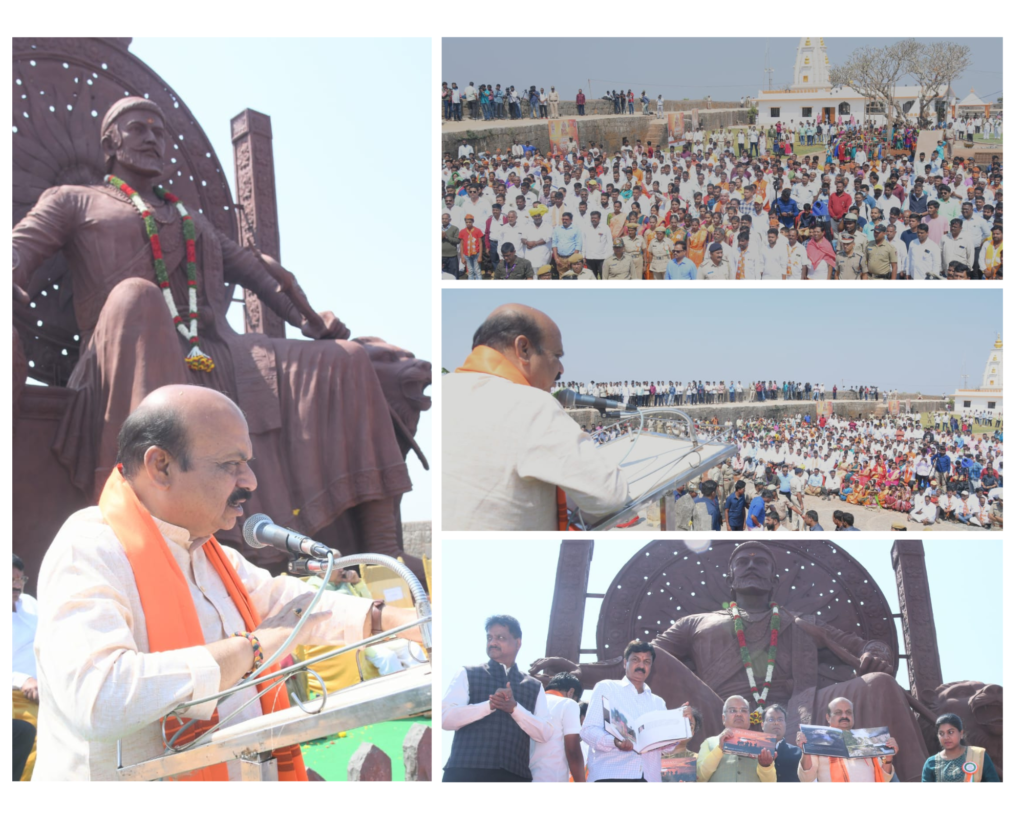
(737, 711)
(21, 581)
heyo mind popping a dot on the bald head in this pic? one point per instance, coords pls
(186, 452)
(528, 339)
(163, 420)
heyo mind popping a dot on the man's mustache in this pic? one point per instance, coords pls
(238, 496)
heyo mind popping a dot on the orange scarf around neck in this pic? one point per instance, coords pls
(840, 773)
(171, 618)
(489, 361)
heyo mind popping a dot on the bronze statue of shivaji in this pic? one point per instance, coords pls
(320, 424)
(698, 661)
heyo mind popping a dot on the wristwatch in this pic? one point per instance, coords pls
(376, 617)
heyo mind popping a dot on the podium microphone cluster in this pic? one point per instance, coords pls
(571, 399)
(312, 557)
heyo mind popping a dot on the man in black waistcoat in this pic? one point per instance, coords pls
(787, 756)
(495, 710)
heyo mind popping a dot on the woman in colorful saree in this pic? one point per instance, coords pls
(957, 761)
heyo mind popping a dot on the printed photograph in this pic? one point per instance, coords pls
(780, 643)
(753, 411)
(800, 159)
(221, 506)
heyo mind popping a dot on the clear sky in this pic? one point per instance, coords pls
(322, 173)
(965, 578)
(850, 336)
(725, 68)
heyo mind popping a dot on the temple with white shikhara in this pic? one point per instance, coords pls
(811, 97)
(988, 396)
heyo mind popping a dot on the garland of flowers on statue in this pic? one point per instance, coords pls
(196, 358)
(773, 645)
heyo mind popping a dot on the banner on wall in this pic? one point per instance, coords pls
(695, 118)
(894, 406)
(824, 409)
(559, 133)
(676, 128)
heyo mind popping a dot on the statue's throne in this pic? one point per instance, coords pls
(667, 580)
(62, 87)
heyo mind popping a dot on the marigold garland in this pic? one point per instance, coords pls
(773, 646)
(196, 358)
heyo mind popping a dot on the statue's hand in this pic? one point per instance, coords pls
(546, 668)
(870, 661)
(332, 327)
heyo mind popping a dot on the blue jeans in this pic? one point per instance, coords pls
(486, 108)
(447, 109)
(631, 108)
(457, 111)
(579, 109)
(534, 109)
(516, 110)
(473, 267)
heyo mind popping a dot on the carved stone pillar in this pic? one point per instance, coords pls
(565, 628)
(919, 637)
(257, 196)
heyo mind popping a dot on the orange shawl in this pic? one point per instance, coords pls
(489, 361)
(840, 773)
(171, 618)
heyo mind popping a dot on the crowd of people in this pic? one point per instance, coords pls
(937, 474)
(512, 727)
(702, 211)
(676, 393)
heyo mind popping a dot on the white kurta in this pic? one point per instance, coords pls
(506, 449)
(98, 680)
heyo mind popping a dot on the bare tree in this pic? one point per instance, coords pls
(874, 72)
(936, 66)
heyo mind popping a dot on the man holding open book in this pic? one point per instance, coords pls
(618, 705)
(865, 768)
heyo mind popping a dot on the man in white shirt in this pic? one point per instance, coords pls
(955, 247)
(562, 755)
(512, 232)
(749, 262)
(924, 256)
(610, 759)
(138, 612)
(494, 710)
(926, 509)
(24, 685)
(509, 447)
(597, 242)
(860, 769)
(537, 233)
(775, 256)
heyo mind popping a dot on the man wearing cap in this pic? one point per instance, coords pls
(537, 234)
(471, 247)
(851, 225)
(881, 257)
(850, 262)
(619, 266)
(576, 270)
(715, 266)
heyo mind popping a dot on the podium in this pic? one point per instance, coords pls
(396, 696)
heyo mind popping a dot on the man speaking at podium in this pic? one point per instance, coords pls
(511, 453)
(141, 610)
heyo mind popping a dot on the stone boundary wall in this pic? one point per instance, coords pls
(727, 413)
(495, 136)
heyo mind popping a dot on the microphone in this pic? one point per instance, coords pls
(570, 400)
(260, 531)
(307, 565)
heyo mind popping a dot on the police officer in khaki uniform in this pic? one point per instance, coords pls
(619, 266)
(860, 241)
(634, 250)
(881, 256)
(659, 251)
(850, 262)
